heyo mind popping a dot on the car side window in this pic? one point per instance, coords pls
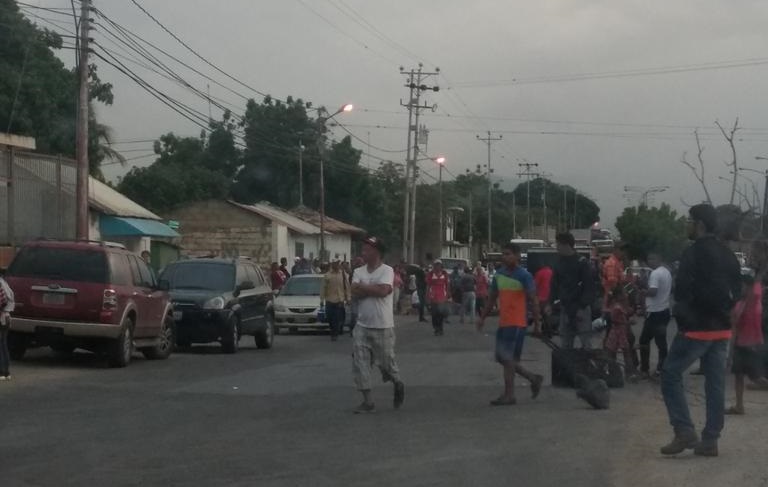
(121, 274)
(253, 275)
(134, 264)
(142, 276)
(262, 279)
(242, 275)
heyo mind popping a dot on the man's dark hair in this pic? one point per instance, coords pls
(565, 238)
(706, 214)
(512, 247)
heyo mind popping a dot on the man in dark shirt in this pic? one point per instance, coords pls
(284, 267)
(707, 286)
(573, 286)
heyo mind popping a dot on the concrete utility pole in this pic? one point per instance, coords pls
(526, 169)
(415, 83)
(301, 173)
(81, 135)
(488, 140)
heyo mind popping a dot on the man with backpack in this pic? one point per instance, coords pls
(707, 286)
(573, 287)
(334, 295)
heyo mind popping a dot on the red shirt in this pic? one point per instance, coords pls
(543, 280)
(749, 315)
(482, 285)
(437, 286)
(278, 279)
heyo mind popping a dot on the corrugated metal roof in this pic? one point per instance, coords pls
(331, 224)
(111, 202)
(274, 213)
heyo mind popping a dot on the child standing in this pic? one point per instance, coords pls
(618, 335)
(744, 356)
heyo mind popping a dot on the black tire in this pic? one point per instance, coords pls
(230, 342)
(120, 350)
(164, 349)
(17, 346)
(266, 337)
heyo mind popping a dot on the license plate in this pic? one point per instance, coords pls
(177, 315)
(53, 298)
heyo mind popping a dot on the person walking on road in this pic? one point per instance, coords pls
(277, 277)
(7, 304)
(284, 267)
(357, 262)
(707, 286)
(483, 284)
(374, 335)
(438, 287)
(573, 286)
(335, 294)
(468, 284)
(657, 315)
(744, 358)
(512, 287)
(543, 280)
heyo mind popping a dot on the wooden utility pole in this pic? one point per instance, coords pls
(81, 136)
(488, 140)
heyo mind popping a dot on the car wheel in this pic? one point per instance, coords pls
(17, 346)
(231, 339)
(167, 337)
(266, 337)
(120, 349)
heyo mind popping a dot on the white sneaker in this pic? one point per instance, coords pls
(2, 377)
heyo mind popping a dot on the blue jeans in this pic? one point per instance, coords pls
(335, 314)
(682, 354)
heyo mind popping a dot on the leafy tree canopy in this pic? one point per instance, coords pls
(652, 229)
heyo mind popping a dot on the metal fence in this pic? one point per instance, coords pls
(37, 197)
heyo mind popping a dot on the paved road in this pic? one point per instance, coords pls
(283, 418)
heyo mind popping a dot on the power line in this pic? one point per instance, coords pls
(206, 61)
(345, 34)
(613, 74)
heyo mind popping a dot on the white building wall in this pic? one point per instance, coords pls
(339, 246)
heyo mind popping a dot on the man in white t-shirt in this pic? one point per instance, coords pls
(374, 334)
(657, 314)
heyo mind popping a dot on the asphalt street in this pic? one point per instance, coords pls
(283, 417)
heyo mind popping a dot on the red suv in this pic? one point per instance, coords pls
(91, 295)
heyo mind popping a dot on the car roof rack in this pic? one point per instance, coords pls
(103, 243)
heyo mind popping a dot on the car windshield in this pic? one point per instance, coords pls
(305, 286)
(203, 276)
(61, 264)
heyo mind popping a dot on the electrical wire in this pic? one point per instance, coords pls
(345, 34)
(206, 61)
(613, 74)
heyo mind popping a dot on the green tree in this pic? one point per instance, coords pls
(187, 169)
(38, 94)
(652, 229)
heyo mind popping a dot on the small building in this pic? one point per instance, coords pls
(261, 231)
(116, 218)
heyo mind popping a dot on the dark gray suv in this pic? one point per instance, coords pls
(219, 300)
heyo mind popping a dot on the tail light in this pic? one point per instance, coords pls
(109, 302)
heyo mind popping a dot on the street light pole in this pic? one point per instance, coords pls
(320, 140)
(440, 163)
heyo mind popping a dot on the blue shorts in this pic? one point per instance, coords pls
(509, 343)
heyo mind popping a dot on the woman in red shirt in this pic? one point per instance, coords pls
(438, 283)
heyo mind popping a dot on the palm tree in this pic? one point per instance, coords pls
(100, 148)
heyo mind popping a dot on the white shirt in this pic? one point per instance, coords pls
(661, 280)
(375, 312)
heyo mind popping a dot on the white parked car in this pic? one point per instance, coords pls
(298, 303)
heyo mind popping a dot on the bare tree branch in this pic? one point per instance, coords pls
(730, 137)
(698, 173)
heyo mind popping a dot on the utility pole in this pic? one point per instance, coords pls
(526, 169)
(488, 140)
(81, 136)
(415, 83)
(301, 172)
(565, 208)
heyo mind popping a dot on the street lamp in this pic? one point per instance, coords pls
(321, 149)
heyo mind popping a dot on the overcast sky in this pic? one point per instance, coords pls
(597, 134)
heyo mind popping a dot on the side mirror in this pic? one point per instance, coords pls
(163, 285)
